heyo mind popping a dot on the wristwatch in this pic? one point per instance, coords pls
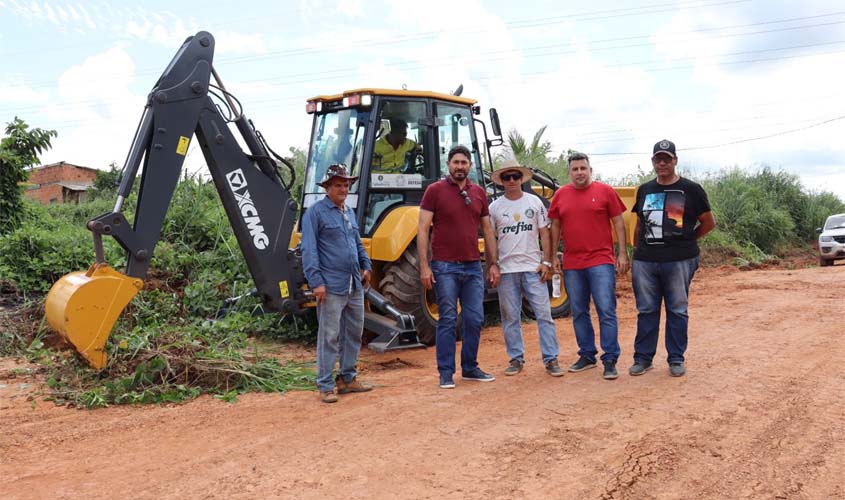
(546, 263)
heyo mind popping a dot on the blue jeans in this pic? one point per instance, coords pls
(341, 323)
(512, 288)
(454, 281)
(656, 282)
(600, 283)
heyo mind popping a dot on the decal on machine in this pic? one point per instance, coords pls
(237, 183)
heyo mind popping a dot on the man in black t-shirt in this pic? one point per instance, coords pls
(672, 214)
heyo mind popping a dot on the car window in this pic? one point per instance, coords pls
(835, 222)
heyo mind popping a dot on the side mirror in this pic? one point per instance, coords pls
(818, 230)
(494, 122)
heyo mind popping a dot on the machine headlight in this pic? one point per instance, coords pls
(825, 239)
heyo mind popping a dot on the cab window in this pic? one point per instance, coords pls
(398, 165)
(455, 128)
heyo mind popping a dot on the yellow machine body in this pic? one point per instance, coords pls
(83, 306)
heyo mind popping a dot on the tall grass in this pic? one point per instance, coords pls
(163, 348)
(761, 213)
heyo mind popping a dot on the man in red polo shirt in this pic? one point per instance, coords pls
(580, 212)
(454, 207)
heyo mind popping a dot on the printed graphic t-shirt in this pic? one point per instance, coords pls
(517, 224)
(668, 216)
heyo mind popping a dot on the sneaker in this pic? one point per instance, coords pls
(446, 382)
(677, 369)
(514, 367)
(353, 385)
(639, 367)
(554, 369)
(610, 372)
(477, 375)
(328, 397)
(581, 365)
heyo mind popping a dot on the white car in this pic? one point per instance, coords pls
(832, 240)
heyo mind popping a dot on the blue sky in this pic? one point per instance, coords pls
(732, 82)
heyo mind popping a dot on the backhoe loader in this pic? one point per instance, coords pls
(83, 306)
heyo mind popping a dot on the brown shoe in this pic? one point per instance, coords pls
(353, 385)
(328, 397)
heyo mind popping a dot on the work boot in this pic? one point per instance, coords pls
(353, 385)
(582, 364)
(677, 369)
(610, 372)
(514, 367)
(639, 367)
(328, 397)
(554, 369)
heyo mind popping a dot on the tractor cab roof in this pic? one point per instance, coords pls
(396, 93)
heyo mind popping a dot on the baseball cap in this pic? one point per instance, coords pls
(664, 146)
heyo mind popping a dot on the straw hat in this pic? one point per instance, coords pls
(509, 166)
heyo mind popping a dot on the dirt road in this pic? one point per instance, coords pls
(760, 414)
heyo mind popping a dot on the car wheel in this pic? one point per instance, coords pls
(825, 262)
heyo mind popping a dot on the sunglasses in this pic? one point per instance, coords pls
(512, 176)
(467, 199)
(346, 219)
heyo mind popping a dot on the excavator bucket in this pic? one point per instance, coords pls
(83, 306)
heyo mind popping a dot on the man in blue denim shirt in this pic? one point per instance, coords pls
(337, 269)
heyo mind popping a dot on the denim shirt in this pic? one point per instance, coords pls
(332, 252)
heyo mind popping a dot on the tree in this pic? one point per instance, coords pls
(18, 150)
(535, 154)
(106, 182)
(297, 158)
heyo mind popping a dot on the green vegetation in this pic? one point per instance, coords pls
(18, 150)
(535, 154)
(167, 346)
(764, 213)
(173, 341)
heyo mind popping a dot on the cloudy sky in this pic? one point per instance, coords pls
(732, 82)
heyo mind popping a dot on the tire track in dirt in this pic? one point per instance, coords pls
(763, 431)
(758, 415)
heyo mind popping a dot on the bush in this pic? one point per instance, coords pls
(34, 257)
(765, 211)
(163, 347)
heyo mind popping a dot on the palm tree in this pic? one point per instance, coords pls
(536, 154)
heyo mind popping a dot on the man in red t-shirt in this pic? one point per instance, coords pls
(580, 212)
(455, 207)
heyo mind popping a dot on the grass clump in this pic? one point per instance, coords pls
(167, 345)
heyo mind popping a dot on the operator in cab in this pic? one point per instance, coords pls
(391, 149)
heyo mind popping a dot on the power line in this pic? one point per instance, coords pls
(639, 11)
(276, 102)
(738, 141)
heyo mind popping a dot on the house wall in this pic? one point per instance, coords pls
(45, 190)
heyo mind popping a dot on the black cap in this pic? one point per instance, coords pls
(664, 146)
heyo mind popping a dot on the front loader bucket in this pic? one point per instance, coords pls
(83, 306)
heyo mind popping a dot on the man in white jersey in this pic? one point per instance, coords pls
(520, 222)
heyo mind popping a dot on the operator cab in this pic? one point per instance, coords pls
(396, 141)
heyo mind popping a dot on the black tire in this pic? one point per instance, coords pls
(560, 305)
(401, 285)
(825, 262)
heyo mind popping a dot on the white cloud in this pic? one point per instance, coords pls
(350, 8)
(19, 95)
(234, 43)
(100, 121)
